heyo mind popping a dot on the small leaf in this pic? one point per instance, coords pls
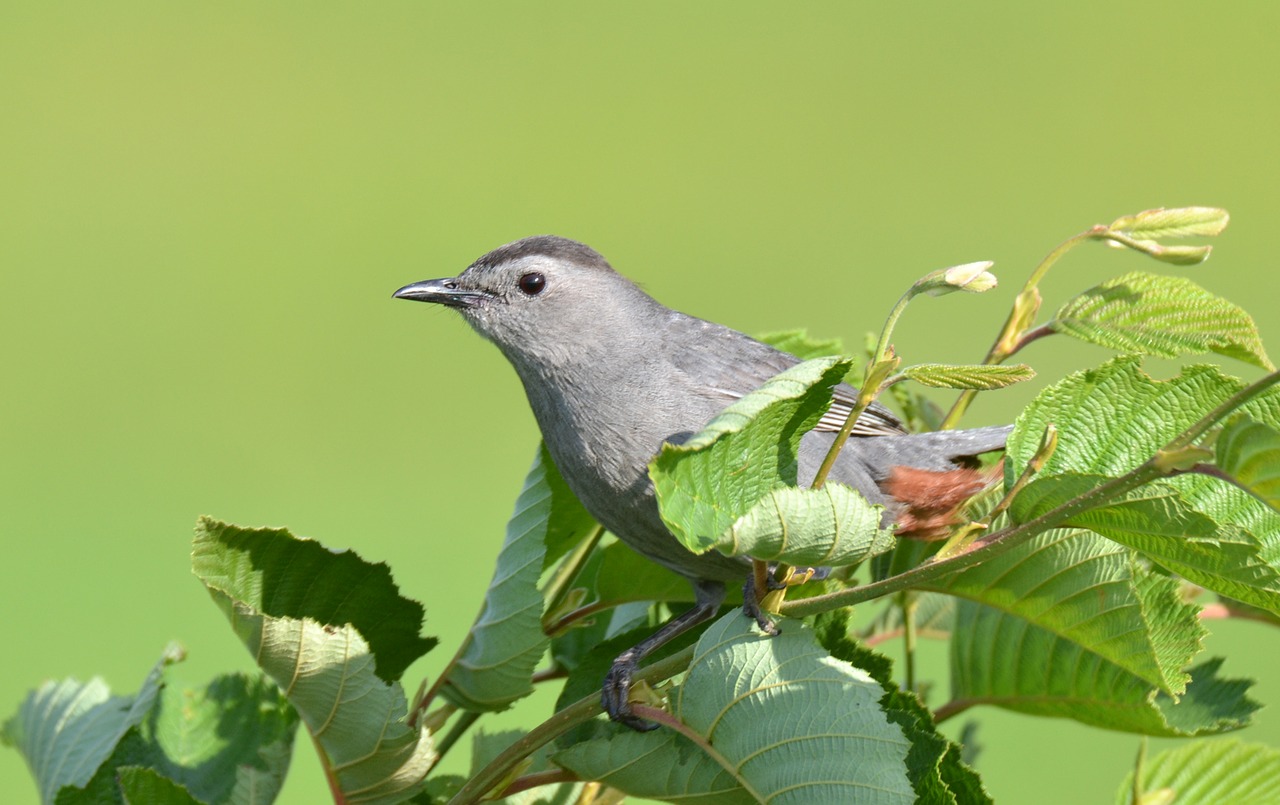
(970, 277)
(1210, 773)
(67, 730)
(294, 605)
(1249, 451)
(801, 344)
(1179, 222)
(1158, 315)
(142, 786)
(976, 376)
(751, 448)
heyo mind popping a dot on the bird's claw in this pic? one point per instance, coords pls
(615, 696)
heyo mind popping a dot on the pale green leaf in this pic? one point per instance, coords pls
(975, 376)
(933, 613)
(1157, 521)
(1154, 314)
(1179, 222)
(1088, 594)
(801, 344)
(495, 666)
(1249, 452)
(748, 450)
(785, 723)
(296, 606)
(1211, 773)
(143, 786)
(833, 526)
(67, 730)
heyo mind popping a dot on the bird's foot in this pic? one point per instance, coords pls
(751, 601)
(615, 696)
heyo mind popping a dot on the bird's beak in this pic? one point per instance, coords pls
(442, 292)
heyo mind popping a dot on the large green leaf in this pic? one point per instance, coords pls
(833, 526)
(1157, 521)
(1088, 593)
(67, 730)
(1156, 314)
(1249, 452)
(778, 720)
(495, 666)
(1000, 659)
(143, 786)
(299, 609)
(1112, 419)
(1209, 773)
(750, 449)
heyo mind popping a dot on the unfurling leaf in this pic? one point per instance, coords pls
(833, 526)
(977, 376)
(1249, 451)
(1153, 314)
(970, 277)
(1179, 222)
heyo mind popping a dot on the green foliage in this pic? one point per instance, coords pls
(1207, 773)
(1073, 593)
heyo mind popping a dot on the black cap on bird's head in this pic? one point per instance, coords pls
(542, 294)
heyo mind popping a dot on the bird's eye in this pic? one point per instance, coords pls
(532, 283)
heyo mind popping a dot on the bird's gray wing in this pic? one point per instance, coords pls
(727, 365)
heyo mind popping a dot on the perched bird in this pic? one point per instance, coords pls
(611, 374)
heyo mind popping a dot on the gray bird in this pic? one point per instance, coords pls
(611, 374)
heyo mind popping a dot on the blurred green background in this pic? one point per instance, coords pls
(205, 208)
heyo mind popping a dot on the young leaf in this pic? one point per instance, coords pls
(980, 376)
(1159, 315)
(1210, 773)
(67, 730)
(777, 719)
(1180, 222)
(801, 344)
(750, 449)
(1249, 451)
(833, 526)
(302, 612)
(495, 666)
(143, 786)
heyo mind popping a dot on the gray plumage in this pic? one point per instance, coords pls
(611, 374)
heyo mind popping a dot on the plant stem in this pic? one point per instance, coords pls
(539, 779)
(1007, 342)
(579, 712)
(455, 732)
(907, 601)
(1228, 405)
(559, 585)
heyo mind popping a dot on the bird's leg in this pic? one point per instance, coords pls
(752, 596)
(708, 596)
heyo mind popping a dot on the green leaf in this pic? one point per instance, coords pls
(977, 376)
(833, 526)
(719, 474)
(495, 666)
(1179, 222)
(142, 786)
(1249, 452)
(1211, 773)
(485, 746)
(1083, 594)
(801, 344)
(1112, 419)
(1050, 676)
(934, 613)
(777, 719)
(67, 730)
(1157, 521)
(934, 766)
(1159, 315)
(299, 609)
